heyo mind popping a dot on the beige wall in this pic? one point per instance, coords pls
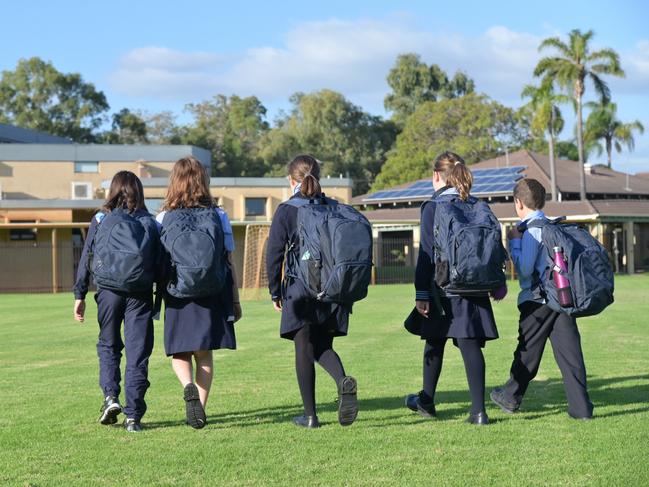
(42, 216)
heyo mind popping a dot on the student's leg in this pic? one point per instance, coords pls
(324, 354)
(204, 374)
(181, 363)
(138, 335)
(566, 345)
(475, 371)
(432, 369)
(304, 367)
(110, 313)
(533, 330)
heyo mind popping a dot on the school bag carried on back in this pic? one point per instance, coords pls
(468, 251)
(335, 250)
(124, 252)
(194, 240)
(588, 266)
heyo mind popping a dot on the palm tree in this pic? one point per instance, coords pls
(574, 64)
(603, 124)
(546, 118)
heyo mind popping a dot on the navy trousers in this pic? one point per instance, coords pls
(136, 313)
(538, 323)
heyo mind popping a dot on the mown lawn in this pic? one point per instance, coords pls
(50, 401)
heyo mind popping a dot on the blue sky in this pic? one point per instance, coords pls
(161, 55)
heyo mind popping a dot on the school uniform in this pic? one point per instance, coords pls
(206, 323)
(299, 308)
(113, 308)
(538, 323)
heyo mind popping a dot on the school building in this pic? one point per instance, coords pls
(616, 211)
(50, 188)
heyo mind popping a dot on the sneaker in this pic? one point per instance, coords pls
(193, 407)
(347, 403)
(422, 404)
(132, 425)
(498, 397)
(109, 410)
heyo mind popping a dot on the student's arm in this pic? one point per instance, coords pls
(524, 252)
(425, 263)
(83, 274)
(238, 312)
(275, 249)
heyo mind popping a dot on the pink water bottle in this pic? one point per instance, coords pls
(560, 278)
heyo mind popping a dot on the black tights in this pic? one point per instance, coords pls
(473, 364)
(314, 344)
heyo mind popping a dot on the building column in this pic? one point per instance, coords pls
(630, 247)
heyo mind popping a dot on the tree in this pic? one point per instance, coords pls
(603, 125)
(546, 119)
(127, 128)
(571, 68)
(37, 96)
(161, 128)
(473, 126)
(567, 149)
(413, 82)
(231, 128)
(346, 139)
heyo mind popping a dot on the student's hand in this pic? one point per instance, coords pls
(79, 309)
(238, 312)
(514, 232)
(277, 305)
(423, 307)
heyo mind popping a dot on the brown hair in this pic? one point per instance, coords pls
(189, 186)
(454, 172)
(305, 169)
(125, 193)
(531, 193)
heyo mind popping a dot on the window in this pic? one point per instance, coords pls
(86, 167)
(81, 191)
(22, 234)
(255, 206)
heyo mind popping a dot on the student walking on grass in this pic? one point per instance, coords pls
(323, 251)
(201, 296)
(121, 251)
(542, 316)
(461, 261)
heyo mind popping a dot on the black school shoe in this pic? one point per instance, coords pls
(110, 410)
(193, 407)
(421, 403)
(132, 425)
(347, 400)
(309, 422)
(498, 397)
(480, 419)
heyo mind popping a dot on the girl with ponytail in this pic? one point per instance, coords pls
(468, 320)
(311, 324)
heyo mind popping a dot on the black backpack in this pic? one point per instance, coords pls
(124, 252)
(468, 251)
(335, 245)
(194, 241)
(589, 267)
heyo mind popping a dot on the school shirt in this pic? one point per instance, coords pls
(529, 260)
(225, 224)
(425, 259)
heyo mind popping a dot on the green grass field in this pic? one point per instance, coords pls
(50, 400)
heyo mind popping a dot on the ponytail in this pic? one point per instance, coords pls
(455, 173)
(305, 169)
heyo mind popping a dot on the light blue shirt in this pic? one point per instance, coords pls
(225, 223)
(528, 257)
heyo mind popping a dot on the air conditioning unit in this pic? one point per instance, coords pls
(81, 191)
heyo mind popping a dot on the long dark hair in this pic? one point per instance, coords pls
(454, 172)
(125, 192)
(305, 169)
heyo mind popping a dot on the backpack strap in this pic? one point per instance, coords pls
(320, 200)
(541, 222)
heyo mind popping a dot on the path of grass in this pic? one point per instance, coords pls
(50, 399)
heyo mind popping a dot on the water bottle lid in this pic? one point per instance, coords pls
(557, 249)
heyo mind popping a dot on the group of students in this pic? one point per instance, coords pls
(185, 251)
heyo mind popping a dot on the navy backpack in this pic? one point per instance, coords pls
(589, 267)
(335, 244)
(124, 252)
(194, 241)
(468, 251)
